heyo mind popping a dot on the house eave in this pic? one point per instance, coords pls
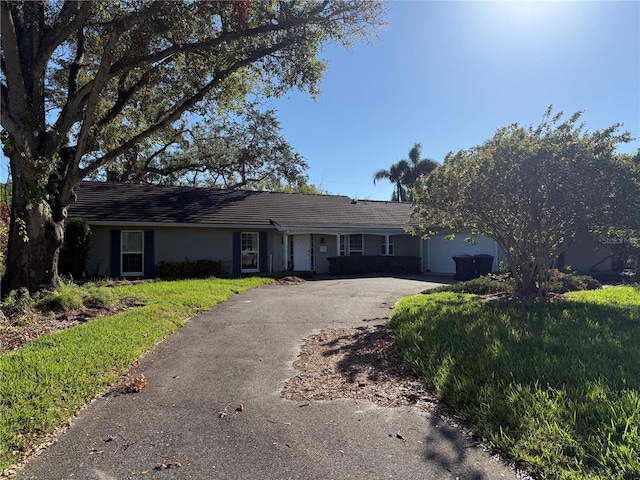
(291, 230)
(234, 226)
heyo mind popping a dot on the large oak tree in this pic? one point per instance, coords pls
(232, 151)
(534, 190)
(76, 75)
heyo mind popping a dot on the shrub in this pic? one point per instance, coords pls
(562, 282)
(98, 296)
(66, 297)
(16, 302)
(487, 285)
(192, 269)
(75, 249)
(630, 276)
(503, 283)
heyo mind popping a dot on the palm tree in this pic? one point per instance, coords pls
(395, 174)
(417, 166)
(404, 173)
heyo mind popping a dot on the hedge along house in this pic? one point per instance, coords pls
(135, 227)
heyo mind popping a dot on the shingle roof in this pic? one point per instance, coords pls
(108, 202)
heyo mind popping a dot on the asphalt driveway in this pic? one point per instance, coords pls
(241, 352)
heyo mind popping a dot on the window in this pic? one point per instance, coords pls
(356, 244)
(249, 251)
(383, 249)
(352, 244)
(132, 252)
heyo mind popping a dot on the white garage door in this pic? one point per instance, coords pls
(441, 250)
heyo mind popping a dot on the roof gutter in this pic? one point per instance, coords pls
(110, 223)
(279, 227)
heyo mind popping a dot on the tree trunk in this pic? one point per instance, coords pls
(36, 233)
(532, 277)
(523, 270)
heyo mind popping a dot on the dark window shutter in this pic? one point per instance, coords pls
(236, 268)
(264, 253)
(149, 262)
(115, 254)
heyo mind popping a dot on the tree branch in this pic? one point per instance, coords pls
(12, 70)
(127, 63)
(7, 121)
(188, 103)
(74, 68)
(72, 17)
(73, 109)
(97, 85)
(224, 37)
(124, 96)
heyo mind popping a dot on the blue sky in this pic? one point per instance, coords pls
(449, 74)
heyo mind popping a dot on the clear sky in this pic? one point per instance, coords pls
(449, 74)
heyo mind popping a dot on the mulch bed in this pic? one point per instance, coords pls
(358, 363)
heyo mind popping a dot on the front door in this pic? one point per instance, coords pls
(301, 253)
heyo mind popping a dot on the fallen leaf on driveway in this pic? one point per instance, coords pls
(135, 384)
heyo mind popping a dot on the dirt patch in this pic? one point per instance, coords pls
(359, 363)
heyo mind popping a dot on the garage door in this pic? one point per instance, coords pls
(441, 250)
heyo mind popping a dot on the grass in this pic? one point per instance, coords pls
(46, 381)
(555, 385)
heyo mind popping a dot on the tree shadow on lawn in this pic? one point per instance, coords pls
(562, 376)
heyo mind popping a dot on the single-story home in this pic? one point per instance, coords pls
(136, 226)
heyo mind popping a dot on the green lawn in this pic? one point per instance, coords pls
(46, 381)
(556, 386)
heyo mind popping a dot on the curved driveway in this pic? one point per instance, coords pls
(241, 352)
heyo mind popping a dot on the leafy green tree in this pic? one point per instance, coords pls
(226, 151)
(83, 83)
(533, 190)
(276, 185)
(404, 173)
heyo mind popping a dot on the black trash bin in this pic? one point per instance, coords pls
(465, 267)
(484, 264)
